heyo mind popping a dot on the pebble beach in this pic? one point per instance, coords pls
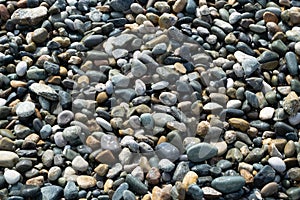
(149, 100)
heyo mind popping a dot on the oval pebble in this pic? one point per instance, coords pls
(277, 164)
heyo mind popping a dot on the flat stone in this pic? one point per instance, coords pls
(201, 152)
(44, 91)
(29, 16)
(228, 184)
(239, 123)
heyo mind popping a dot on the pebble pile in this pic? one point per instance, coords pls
(150, 100)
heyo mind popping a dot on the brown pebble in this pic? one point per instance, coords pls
(16, 84)
(56, 80)
(108, 185)
(101, 169)
(239, 123)
(270, 17)
(93, 143)
(247, 175)
(4, 14)
(202, 128)
(101, 97)
(105, 156)
(269, 190)
(153, 176)
(179, 5)
(289, 149)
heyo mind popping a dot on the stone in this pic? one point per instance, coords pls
(52, 192)
(189, 179)
(250, 66)
(8, 159)
(135, 185)
(168, 151)
(266, 113)
(25, 109)
(239, 123)
(291, 62)
(166, 165)
(153, 176)
(120, 5)
(128, 195)
(29, 16)
(228, 184)
(86, 182)
(70, 191)
(168, 98)
(179, 5)
(54, 173)
(4, 14)
(293, 193)
(201, 152)
(65, 117)
(118, 194)
(40, 35)
(264, 176)
(277, 164)
(11, 176)
(269, 190)
(21, 68)
(294, 173)
(167, 20)
(44, 91)
(291, 103)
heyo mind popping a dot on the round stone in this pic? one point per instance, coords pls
(21, 68)
(54, 173)
(65, 117)
(168, 151)
(39, 35)
(25, 109)
(80, 164)
(12, 176)
(86, 182)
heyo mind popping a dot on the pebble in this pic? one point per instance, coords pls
(40, 35)
(52, 192)
(70, 190)
(269, 190)
(168, 151)
(12, 176)
(266, 113)
(277, 164)
(195, 192)
(8, 159)
(189, 179)
(21, 68)
(201, 152)
(25, 109)
(264, 176)
(228, 184)
(119, 5)
(167, 20)
(86, 182)
(136, 185)
(118, 194)
(291, 62)
(294, 173)
(29, 16)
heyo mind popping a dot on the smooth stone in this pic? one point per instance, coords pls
(291, 103)
(277, 163)
(86, 182)
(282, 128)
(39, 35)
(166, 165)
(270, 189)
(159, 49)
(25, 109)
(92, 40)
(70, 190)
(80, 164)
(228, 184)
(12, 176)
(52, 192)
(168, 151)
(291, 62)
(167, 20)
(201, 152)
(29, 16)
(24, 165)
(294, 120)
(65, 117)
(195, 192)
(266, 113)
(140, 87)
(121, 5)
(8, 159)
(293, 193)
(135, 185)
(252, 99)
(128, 195)
(51, 68)
(225, 26)
(264, 176)
(118, 194)
(294, 173)
(21, 68)
(54, 173)
(138, 69)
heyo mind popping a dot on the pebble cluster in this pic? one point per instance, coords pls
(161, 100)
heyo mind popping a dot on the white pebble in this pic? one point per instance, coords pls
(277, 164)
(12, 176)
(21, 68)
(266, 113)
(294, 120)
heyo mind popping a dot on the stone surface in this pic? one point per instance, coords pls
(201, 152)
(29, 16)
(228, 184)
